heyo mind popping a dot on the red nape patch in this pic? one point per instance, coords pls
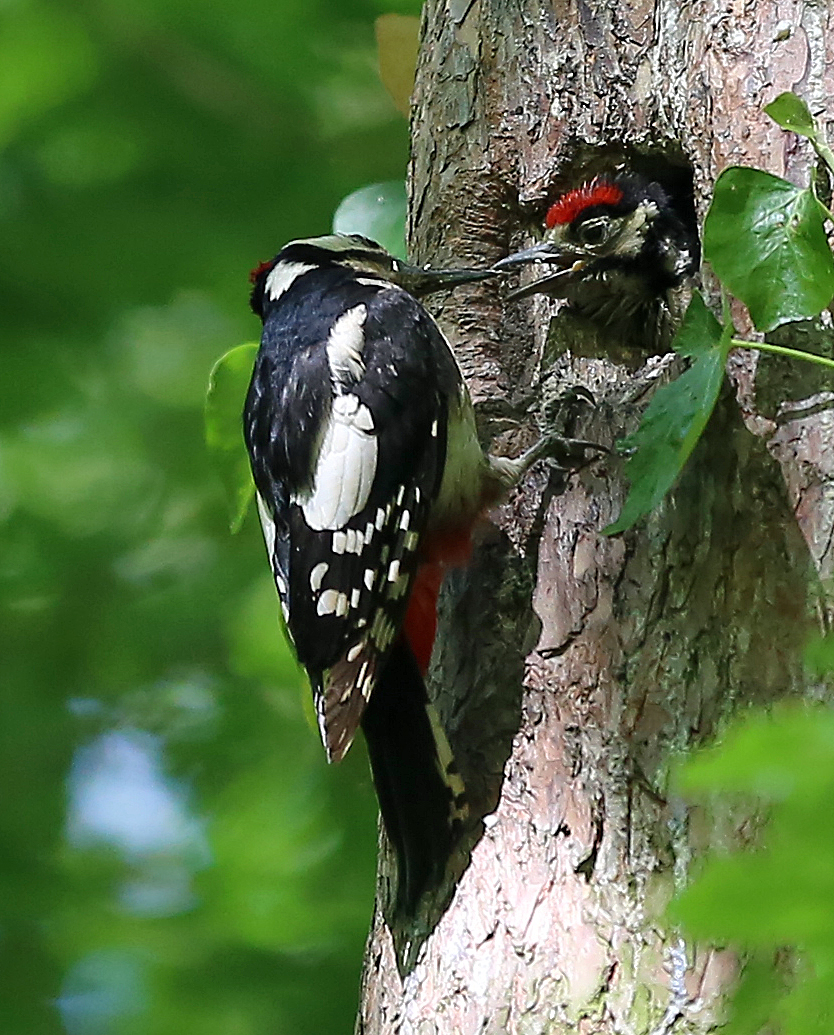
(258, 270)
(568, 207)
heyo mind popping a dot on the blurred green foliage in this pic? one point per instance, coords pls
(768, 890)
(175, 856)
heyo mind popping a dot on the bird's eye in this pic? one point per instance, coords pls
(594, 232)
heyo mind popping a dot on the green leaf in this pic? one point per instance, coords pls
(791, 113)
(755, 999)
(766, 241)
(725, 903)
(769, 754)
(773, 895)
(676, 416)
(376, 211)
(228, 384)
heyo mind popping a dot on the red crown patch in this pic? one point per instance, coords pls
(568, 207)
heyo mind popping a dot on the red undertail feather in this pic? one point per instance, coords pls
(568, 207)
(442, 550)
(420, 624)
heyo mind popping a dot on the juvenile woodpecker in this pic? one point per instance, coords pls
(618, 246)
(369, 479)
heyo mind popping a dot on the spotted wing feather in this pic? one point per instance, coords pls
(345, 588)
(381, 577)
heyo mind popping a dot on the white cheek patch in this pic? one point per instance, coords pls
(345, 467)
(283, 276)
(630, 240)
(344, 346)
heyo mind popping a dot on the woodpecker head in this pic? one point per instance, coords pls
(354, 255)
(614, 246)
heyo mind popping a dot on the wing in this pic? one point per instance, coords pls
(343, 519)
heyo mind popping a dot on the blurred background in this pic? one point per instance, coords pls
(175, 855)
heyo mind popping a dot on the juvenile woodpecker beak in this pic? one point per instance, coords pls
(423, 280)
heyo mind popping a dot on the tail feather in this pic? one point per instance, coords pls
(421, 796)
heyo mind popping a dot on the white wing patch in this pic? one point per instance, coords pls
(344, 347)
(282, 276)
(345, 467)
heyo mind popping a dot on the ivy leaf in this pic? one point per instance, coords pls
(791, 113)
(676, 416)
(766, 241)
(376, 211)
(228, 383)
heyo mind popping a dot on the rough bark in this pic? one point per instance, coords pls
(573, 667)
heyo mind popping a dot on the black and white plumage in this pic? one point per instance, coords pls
(616, 246)
(369, 473)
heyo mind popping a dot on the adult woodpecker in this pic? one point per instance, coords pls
(618, 247)
(369, 479)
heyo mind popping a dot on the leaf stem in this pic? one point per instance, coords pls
(829, 214)
(820, 145)
(780, 350)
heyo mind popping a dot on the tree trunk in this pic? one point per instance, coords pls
(573, 667)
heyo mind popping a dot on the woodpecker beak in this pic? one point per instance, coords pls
(545, 252)
(423, 280)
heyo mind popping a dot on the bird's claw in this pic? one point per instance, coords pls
(571, 454)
